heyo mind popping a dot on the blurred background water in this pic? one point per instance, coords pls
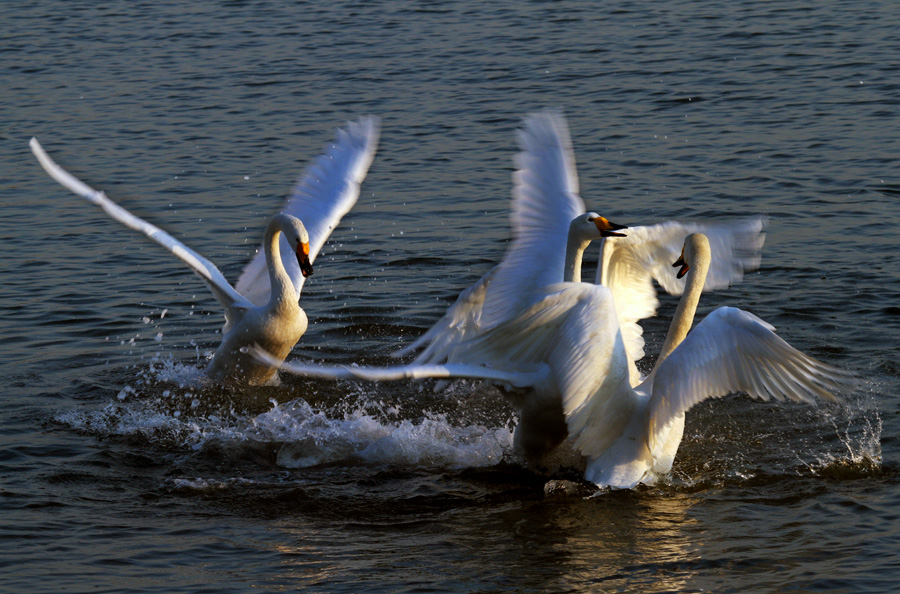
(121, 471)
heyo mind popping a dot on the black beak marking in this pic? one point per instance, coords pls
(613, 233)
(306, 268)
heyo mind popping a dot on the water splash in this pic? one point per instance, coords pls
(857, 426)
(173, 371)
(168, 407)
(309, 437)
(171, 405)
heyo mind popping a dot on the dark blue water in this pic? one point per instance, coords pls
(121, 472)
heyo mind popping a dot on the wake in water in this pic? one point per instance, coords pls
(169, 407)
(172, 406)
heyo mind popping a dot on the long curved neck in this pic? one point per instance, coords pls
(687, 306)
(575, 247)
(279, 280)
(606, 250)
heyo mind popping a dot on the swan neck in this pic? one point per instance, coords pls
(575, 247)
(279, 280)
(687, 306)
(606, 250)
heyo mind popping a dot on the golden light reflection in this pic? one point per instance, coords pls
(628, 541)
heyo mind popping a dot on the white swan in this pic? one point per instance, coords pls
(263, 308)
(631, 434)
(551, 232)
(571, 341)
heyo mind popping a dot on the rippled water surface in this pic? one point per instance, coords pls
(121, 470)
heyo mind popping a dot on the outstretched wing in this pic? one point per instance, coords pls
(732, 350)
(223, 291)
(323, 195)
(461, 322)
(383, 374)
(533, 335)
(629, 265)
(545, 200)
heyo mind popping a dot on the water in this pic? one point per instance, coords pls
(121, 471)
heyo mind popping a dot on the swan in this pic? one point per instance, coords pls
(551, 232)
(574, 357)
(630, 434)
(263, 307)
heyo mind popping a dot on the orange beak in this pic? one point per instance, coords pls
(608, 228)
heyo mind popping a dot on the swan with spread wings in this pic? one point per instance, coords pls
(263, 307)
(551, 232)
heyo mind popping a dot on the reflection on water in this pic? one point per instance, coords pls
(640, 543)
(635, 542)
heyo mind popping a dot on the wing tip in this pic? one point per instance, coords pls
(365, 131)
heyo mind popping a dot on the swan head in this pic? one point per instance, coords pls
(298, 239)
(693, 245)
(592, 226)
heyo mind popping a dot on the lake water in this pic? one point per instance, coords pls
(120, 471)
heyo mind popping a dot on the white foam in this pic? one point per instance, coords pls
(303, 436)
(310, 437)
(205, 485)
(170, 370)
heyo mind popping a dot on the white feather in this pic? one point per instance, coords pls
(225, 294)
(545, 200)
(517, 379)
(253, 315)
(732, 350)
(629, 265)
(322, 196)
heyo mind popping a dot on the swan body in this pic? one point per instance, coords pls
(276, 325)
(263, 308)
(628, 434)
(631, 433)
